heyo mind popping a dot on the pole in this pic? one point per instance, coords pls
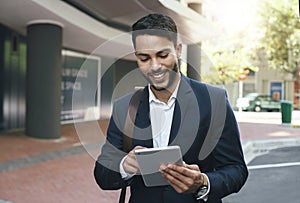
(240, 92)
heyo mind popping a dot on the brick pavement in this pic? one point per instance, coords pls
(51, 170)
(61, 170)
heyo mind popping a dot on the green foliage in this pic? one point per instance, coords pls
(228, 65)
(277, 37)
(280, 37)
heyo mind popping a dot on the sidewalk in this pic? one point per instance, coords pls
(47, 171)
(61, 170)
(261, 132)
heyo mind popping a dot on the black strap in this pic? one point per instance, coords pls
(122, 195)
(130, 119)
(128, 130)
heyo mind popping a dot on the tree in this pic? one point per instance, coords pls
(229, 65)
(229, 50)
(280, 34)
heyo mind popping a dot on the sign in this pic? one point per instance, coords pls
(80, 76)
(276, 90)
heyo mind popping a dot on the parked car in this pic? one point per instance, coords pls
(258, 102)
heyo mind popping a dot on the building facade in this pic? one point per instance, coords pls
(51, 51)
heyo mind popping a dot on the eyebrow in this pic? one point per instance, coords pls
(157, 53)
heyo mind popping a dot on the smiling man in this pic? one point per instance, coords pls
(158, 61)
(173, 110)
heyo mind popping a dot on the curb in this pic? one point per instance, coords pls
(256, 148)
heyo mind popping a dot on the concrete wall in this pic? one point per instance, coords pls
(265, 76)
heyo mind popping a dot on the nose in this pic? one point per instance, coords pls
(155, 64)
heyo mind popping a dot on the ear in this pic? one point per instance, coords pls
(178, 50)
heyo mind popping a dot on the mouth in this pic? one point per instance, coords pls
(158, 77)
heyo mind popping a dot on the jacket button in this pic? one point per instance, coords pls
(165, 189)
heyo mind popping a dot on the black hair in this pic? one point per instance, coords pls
(155, 24)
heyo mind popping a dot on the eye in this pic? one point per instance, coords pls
(164, 55)
(144, 59)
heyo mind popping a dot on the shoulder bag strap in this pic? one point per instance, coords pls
(128, 129)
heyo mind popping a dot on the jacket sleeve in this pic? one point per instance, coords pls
(107, 171)
(230, 172)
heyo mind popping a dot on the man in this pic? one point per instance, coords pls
(173, 110)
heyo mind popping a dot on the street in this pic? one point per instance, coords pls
(273, 169)
(273, 177)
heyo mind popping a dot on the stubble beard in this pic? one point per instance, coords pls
(172, 78)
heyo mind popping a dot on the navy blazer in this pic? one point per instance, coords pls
(203, 126)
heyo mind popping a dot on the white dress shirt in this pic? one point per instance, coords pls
(161, 116)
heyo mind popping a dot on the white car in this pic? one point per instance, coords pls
(258, 102)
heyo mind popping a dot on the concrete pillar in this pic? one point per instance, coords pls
(43, 82)
(194, 61)
(194, 50)
(2, 79)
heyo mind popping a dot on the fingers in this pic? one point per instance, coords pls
(178, 181)
(138, 147)
(192, 167)
(183, 178)
(130, 164)
(181, 171)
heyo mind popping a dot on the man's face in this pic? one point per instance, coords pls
(158, 60)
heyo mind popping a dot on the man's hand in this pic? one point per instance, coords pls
(183, 178)
(130, 164)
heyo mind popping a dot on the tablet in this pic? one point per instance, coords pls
(150, 159)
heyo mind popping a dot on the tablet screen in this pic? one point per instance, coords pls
(150, 159)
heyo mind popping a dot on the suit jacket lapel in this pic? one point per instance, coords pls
(142, 131)
(180, 107)
(175, 122)
(185, 118)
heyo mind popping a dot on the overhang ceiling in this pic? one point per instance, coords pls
(123, 13)
(88, 24)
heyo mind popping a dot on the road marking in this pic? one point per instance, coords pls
(273, 165)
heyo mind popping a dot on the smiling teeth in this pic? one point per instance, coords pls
(158, 76)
